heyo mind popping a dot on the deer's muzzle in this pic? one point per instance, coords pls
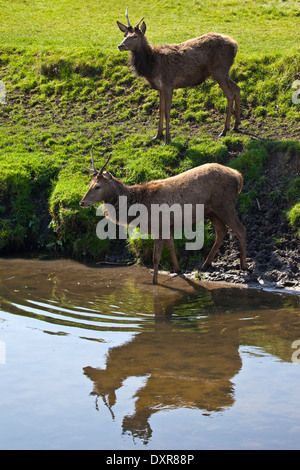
(122, 47)
(84, 204)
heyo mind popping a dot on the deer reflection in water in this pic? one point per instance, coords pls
(184, 365)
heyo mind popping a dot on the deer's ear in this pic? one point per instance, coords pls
(122, 27)
(143, 27)
(92, 172)
(107, 175)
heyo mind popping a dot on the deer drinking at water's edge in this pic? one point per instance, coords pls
(212, 185)
(187, 64)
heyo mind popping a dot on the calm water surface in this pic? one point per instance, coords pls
(99, 358)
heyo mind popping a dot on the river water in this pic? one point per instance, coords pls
(98, 358)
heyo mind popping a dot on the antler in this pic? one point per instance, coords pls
(128, 22)
(101, 171)
(92, 155)
(139, 23)
(94, 170)
(126, 14)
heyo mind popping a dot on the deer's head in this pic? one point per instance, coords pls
(133, 37)
(102, 187)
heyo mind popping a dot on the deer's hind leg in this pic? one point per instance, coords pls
(170, 244)
(162, 108)
(240, 232)
(232, 93)
(229, 217)
(237, 104)
(221, 231)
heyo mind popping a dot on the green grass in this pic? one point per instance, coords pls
(258, 26)
(68, 88)
(294, 217)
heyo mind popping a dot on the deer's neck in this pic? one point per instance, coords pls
(123, 198)
(143, 60)
(120, 199)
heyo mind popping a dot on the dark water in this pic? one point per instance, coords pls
(99, 358)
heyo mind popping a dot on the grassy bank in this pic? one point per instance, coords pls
(68, 88)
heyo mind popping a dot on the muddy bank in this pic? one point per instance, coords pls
(266, 269)
(273, 248)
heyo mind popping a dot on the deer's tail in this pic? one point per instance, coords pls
(240, 182)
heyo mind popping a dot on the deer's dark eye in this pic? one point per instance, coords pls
(97, 186)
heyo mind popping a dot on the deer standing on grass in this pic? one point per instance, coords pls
(213, 185)
(183, 65)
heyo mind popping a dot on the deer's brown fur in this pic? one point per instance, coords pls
(187, 64)
(214, 185)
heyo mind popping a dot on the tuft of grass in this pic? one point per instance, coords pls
(293, 216)
(205, 150)
(25, 184)
(293, 195)
(250, 163)
(293, 191)
(246, 200)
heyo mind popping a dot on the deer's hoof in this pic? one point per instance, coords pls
(157, 137)
(177, 272)
(204, 267)
(167, 141)
(223, 133)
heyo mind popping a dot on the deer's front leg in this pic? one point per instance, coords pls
(158, 248)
